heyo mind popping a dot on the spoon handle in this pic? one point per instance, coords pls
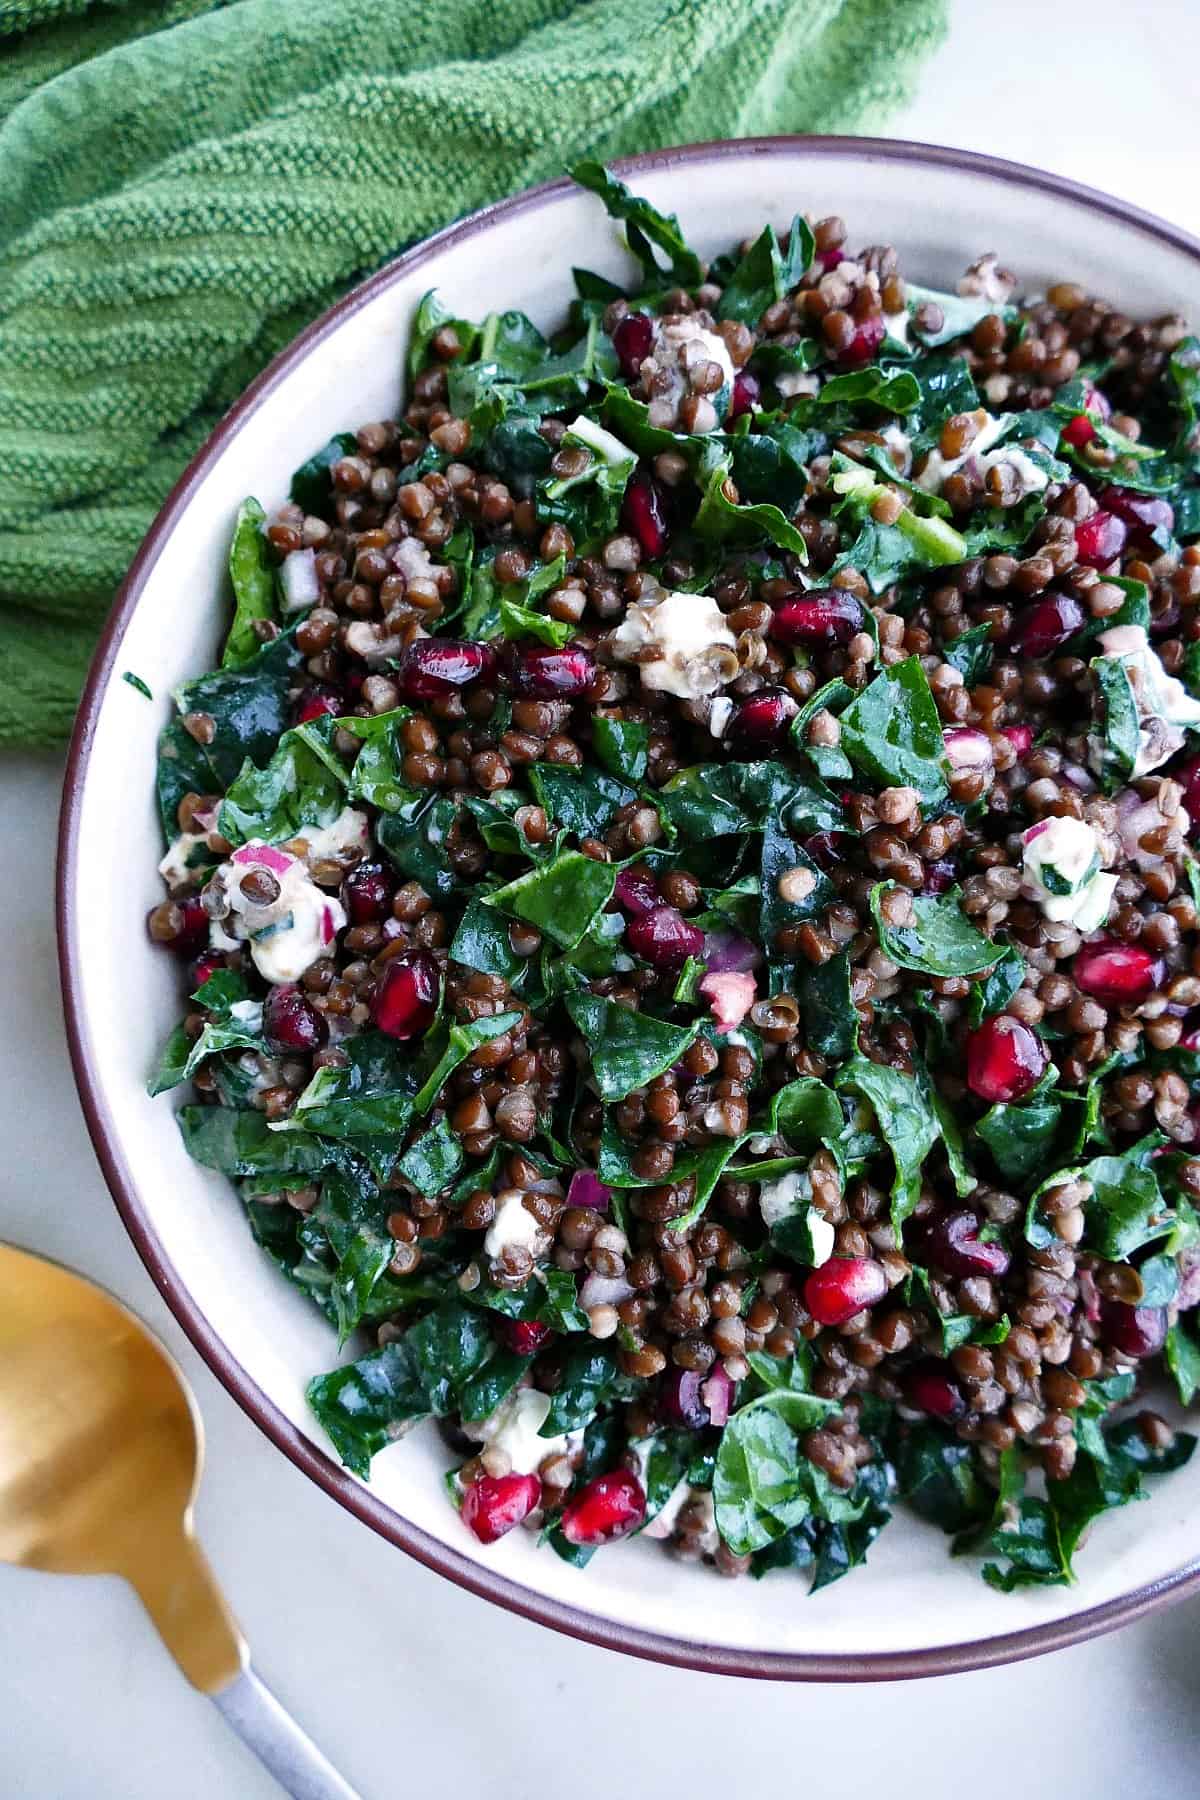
(278, 1742)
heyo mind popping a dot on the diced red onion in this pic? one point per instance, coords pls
(278, 861)
(587, 1190)
(717, 1394)
(729, 953)
(298, 579)
(603, 1290)
(1189, 1280)
(1090, 1294)
(968, 749)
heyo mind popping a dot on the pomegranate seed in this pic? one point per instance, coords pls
(644, 512)
(552, 674)
(291, 1021)
(632, 340)
(829, 259)
(1079, 432)
(609, 1507)
(1143, 513)
(745, 397)
(1116, 974)
(525, 1336)
(1020, 737)
(318, 702)
(367, 892)
(1188, 776)
(1004, 1059)
(761, 722)
(864, 343)
(931, 1386)
(680, 1401)
(664, 937)
(636, 891)
(193, 935)
(406, 999)
(180, 926)
(1100, 539)
(939, 876)
(204, 967)
(496, 1503)
(956, 1246)
(822, 619)
(1190, 1040)
(431, 668)
(1134, 1330)
(842, 1287)
(1046, 626)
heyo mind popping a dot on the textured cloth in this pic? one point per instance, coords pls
(185, 183)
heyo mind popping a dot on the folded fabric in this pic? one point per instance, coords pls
(183, 185)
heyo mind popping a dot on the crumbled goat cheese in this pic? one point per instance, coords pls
(377, 646)
(683, 631)
(691, 344)
(937, 466)
(413, 560)
(345, 840)
(1138, 816)
(664, 1521)
(286, 935)
(783, 1198)
(719, 715)
(708, 1539)
(791, 382)
(514, 1427)
(174, 866)
(1164, 705)
(982, 457)
(985, 280)
(1061, 865)
(897, 325)
(899, 444)
(259, 1072)
(1032, 478)
(681, 346)
(514, 1226)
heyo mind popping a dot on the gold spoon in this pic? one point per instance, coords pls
(101, 1448)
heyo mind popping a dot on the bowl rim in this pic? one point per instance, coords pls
(575, 1621)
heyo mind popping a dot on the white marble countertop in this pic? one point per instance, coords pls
(398, 1674)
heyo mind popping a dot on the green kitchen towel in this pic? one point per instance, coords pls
(185, 183)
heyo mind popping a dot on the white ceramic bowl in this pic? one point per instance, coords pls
(913, 1611)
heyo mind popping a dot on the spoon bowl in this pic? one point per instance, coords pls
(101, 1449)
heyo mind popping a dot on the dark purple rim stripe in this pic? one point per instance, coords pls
(575, 1621)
